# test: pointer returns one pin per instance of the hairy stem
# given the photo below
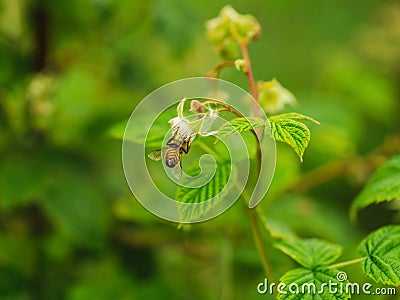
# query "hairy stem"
(249, 74)
(347, 263)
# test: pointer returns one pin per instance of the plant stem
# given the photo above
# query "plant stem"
(262, 217)
(250, 78)
(253, 90)
(260, 246)
(254, 221)
(258, 239)
(347, 263)
(224, 105)
(219, 67)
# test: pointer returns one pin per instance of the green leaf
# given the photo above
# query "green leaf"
(287, 128)
(310, 253)
(312, 284)
(217, 186)
(296, 116)
(240, 125)
(382, 251)
(384, 185)
(117, 130)
(279, 230)
(155, 136)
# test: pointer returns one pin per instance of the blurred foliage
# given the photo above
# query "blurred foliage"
(383, 186)
(70, 70)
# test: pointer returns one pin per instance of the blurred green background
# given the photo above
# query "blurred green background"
(69, 70)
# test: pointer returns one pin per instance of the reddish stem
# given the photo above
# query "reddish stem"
(254, 221)
(250, 78)
(218, 68)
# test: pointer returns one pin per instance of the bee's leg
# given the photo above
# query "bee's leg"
(185, 147)
(173, 142)
(170, 141)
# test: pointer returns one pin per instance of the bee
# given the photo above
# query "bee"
(178, 144)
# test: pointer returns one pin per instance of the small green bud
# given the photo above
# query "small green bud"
(228, 13)
(273, 97)
(217, 30)
(196, 107)
(248, 27)
(231, 27)
(240, 65)
(229, 49)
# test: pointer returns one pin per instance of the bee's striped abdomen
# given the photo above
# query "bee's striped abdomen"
(172, 156)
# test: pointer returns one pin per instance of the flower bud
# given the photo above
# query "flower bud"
(248, 27)
(272, 96)
(240, 65)
(230, 28)
(217, 30)
(228, 49)
(196, 107)
(228, 13)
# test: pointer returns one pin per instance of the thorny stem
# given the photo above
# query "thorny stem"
(347, 263)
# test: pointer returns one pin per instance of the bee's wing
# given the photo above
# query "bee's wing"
(177, 171)
(155, 154)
